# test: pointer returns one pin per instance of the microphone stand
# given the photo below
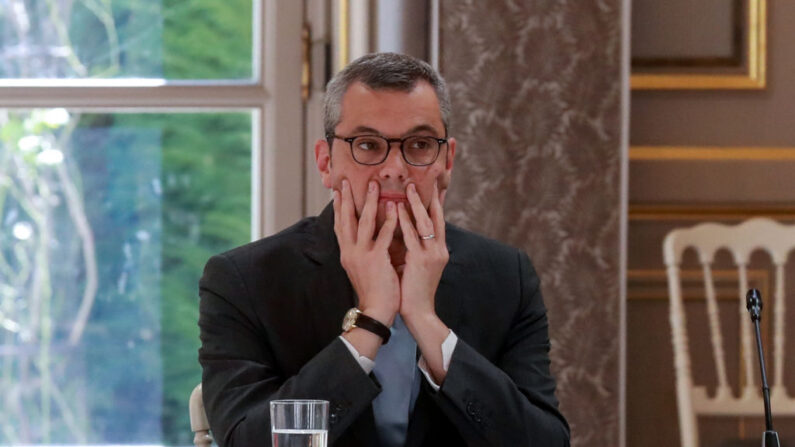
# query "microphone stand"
(753, 302)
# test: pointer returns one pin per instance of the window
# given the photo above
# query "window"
(137, 138)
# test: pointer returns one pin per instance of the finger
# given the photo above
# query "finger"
(338, 219)
(422, 221)
(387, 231)
(410, 237)
(437, 214)
(335, 202)
(348, 212)
(367, 219)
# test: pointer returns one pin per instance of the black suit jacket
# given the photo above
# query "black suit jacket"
(270, 316)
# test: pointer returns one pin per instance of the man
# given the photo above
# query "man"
(445, 334)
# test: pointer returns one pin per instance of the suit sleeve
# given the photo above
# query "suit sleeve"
(510, 401)
(240, 375)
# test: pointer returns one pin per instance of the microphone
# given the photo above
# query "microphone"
(753, 302)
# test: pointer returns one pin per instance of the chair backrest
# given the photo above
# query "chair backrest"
(741, 241)
(198, 419)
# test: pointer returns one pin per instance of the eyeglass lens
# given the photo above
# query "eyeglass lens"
(371, 149)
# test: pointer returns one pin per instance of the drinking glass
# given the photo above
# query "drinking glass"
(299, 423)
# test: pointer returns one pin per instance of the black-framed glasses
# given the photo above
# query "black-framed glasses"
(373, 149)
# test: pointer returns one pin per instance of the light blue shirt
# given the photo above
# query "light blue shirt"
(398, 371)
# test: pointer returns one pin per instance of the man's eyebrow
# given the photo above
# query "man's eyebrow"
(422, 128)
(365, 130)
(413, 130)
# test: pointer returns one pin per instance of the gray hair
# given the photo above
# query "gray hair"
(382, 71)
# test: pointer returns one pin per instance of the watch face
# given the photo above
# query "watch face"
(349, 320)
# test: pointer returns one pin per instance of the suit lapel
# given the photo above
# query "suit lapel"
(420, 420)
(448, 299)
(448, 302)
(330, 295)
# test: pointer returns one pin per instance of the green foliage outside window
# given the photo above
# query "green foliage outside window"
(160, 194)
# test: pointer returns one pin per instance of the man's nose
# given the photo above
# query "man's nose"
(394, 166)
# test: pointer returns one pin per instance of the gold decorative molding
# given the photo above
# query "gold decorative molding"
(691, 212)
(695, 82)
(658, 153)
(306, 61)
(754, 78)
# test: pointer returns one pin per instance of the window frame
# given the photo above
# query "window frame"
(273, 96)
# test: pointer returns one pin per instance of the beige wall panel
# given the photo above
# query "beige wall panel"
(682, 28)
(536, 90)
(703, 181)
(722, 117)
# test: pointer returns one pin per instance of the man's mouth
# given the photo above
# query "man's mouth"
(392, 197)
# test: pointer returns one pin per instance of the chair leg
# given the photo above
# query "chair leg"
(202, 438)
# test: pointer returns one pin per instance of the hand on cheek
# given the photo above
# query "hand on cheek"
(426, 254)
(426, 258)
(365, 258)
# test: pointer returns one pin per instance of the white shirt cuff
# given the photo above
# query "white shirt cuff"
(366, 364)
(448, 346)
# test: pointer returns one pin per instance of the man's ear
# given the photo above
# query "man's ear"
(323, 161)
(448, 164)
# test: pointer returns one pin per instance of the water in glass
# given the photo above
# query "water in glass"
(299, 438)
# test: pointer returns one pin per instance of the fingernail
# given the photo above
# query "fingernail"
(390, 206)
(344, 184)
(412, 188)
(371, 187)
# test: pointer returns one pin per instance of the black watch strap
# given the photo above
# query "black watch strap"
(355, 318)
(374, 326)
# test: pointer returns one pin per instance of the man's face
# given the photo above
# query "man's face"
(391, 114)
